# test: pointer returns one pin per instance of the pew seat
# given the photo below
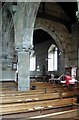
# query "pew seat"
(32, 106)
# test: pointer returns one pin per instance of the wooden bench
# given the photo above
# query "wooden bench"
(17, 93)
(47, 88)
(39, 91)
(12, 86)
(39, 86)
(42, 84)
(7, 84)
(27, 98)
(31, 92)
(33, 106)
(36, 97)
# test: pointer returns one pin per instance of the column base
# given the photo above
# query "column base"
(23, 89)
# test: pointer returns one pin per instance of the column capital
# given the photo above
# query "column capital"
(21, 49)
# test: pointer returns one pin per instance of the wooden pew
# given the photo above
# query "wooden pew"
(8, 84)
(25, 98)
(36, 97)
(40, 86)
(39, 91)
(33, 106)
(18, 93)
(31, 92)
(45, 88)
(68, 94)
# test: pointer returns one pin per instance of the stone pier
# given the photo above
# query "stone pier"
(23, 73)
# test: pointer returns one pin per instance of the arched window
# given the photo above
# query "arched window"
(32, 61)
(53, 58)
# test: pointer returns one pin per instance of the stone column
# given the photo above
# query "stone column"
(78, 4)
(77, 13)
(23, 71)
(24, 20)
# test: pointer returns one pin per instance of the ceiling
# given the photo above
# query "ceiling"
(70, 9)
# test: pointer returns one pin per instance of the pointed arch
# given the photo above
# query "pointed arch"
(49, 27)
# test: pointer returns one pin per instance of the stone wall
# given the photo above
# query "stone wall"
(75, 47)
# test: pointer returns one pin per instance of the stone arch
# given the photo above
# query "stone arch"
(24, 24)
(52, 34)
(56, 31)
(59, 37)
(10, 24)
(6, 21)
(8, 51)
(7, 8)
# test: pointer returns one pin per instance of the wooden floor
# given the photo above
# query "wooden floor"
(56, 99)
